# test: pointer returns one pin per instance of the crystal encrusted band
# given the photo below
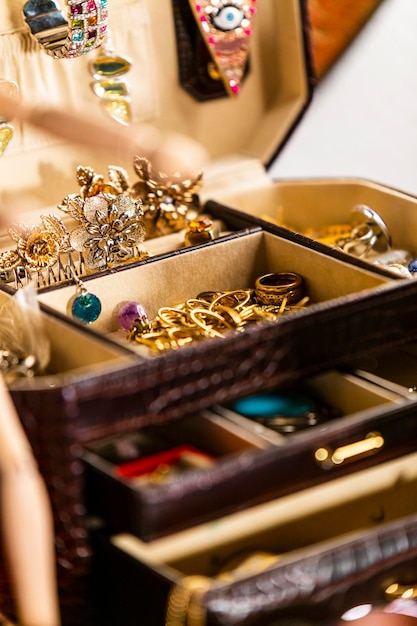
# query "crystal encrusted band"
(65, 38)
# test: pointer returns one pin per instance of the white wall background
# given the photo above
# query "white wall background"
(363, 117)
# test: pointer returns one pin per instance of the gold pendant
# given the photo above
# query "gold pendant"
(10, 89)
(108, 70)
(6, 134)
(226, 26)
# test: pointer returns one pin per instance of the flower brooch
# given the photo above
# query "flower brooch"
(112, 219)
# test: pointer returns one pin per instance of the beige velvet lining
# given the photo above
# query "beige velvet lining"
(36, 170)
(234, 264)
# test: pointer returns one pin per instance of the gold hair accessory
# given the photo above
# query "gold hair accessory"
(108, 70)
(166, 199)
(92, 183)
(83, 30)
(109, 232)
(10, 89)
(226, 27)
(39, 249)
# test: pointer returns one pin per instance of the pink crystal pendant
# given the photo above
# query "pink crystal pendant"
(226, 26)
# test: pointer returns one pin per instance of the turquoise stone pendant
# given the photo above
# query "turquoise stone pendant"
(86, 308)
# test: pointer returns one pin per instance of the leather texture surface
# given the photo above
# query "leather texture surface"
(312, 587)
(322, 585)
(333, 26)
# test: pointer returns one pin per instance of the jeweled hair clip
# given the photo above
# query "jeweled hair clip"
(112, 219)
(42, 254)
(109, 232)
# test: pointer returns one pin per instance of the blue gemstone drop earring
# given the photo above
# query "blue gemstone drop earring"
(85, 307)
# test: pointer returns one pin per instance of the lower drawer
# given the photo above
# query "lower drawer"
(319, 553)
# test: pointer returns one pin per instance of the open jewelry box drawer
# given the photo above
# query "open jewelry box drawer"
(306, 558)
(203, 466)
(319, 207)
(349, 309)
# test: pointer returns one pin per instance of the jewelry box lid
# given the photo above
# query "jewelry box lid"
(239, 130)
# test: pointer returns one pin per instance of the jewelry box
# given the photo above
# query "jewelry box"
(352, 304)
(324, 555)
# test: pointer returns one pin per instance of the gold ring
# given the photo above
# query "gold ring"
(271, 289)
(200, 230)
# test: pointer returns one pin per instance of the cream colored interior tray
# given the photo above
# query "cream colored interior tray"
(303, 204)
(310, 521)
(351, 396)
(74, 355)
(225, 265)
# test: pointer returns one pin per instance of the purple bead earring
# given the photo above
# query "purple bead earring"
(130, 313)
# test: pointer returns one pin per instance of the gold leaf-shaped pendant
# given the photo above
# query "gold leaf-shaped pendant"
(110, 89)
(109, 66)
(6, 134)
(119, 110)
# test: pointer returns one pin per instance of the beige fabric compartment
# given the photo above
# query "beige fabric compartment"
(301, 204)
(74, 355)
(234, 264)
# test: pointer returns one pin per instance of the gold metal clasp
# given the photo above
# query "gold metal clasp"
(331, 458)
